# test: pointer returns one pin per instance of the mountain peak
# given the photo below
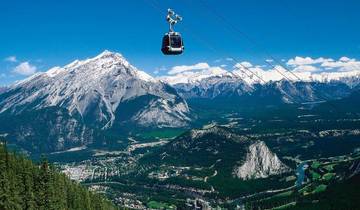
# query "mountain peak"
(105, 58)
(108, 57)
(107, 54)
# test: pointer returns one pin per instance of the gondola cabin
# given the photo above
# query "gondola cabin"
(172, 44)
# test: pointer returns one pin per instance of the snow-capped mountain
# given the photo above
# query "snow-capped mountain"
(188, 77)
(256, 75)
(260, 163)
(301, 92)
(99, 93)
(241, 84)
(95, 88)
(225, 85)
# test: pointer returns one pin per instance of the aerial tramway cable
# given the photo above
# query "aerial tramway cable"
(245, 69)
(252, 41)
(243, 34)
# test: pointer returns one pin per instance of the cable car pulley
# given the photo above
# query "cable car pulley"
(172, 43)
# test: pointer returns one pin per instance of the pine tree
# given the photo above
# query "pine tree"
(24, 185)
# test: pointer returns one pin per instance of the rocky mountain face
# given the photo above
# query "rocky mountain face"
(214, 87)
(302, 92)
(71, 103)
(260, 163)
(282, 91)
(222, 149)
(202, 147)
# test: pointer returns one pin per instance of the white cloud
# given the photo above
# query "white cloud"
(246, 64)
(183, 68)
(300, 61)
(305, 68)
(243, 64)
(11, 59)
(229, 59)
(343, 64)
(25, 69)
(308, 64)
(269, 60)
(2, 75)
(345, 59)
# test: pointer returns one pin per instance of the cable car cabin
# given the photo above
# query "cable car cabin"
(172, 44)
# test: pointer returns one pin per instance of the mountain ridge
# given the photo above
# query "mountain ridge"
(87, 95)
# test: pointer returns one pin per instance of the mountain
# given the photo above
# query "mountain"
(216, 83)
(71, 104)
(214, 87)
(222, 149)
(301, 92)
(234, 87)
(255, 75)
(345, 106)
(3, 89)
(260, 163)
(203, 147)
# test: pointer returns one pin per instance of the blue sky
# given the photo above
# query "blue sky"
(36, 35)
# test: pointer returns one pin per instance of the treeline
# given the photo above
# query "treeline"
(25, 185)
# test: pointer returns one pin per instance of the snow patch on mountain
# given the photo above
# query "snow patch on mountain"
(160, 112)
(251, 74)
(260, 163)
(194, 76)
(94, 88)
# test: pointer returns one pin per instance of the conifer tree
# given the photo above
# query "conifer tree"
(24, 185)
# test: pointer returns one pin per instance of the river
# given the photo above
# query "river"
(300, 172)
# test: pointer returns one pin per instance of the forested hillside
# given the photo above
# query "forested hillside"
(25, 185)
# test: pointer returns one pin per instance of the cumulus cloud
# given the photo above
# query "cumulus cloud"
(11, 59)
(300, 61)
(184, 68)
(243, 64)
(344, 59)
(305, 68)
(246, 64)
(308, 64)
(343, 64)
(25, 68)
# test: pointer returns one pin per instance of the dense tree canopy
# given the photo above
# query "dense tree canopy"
(25, 185)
